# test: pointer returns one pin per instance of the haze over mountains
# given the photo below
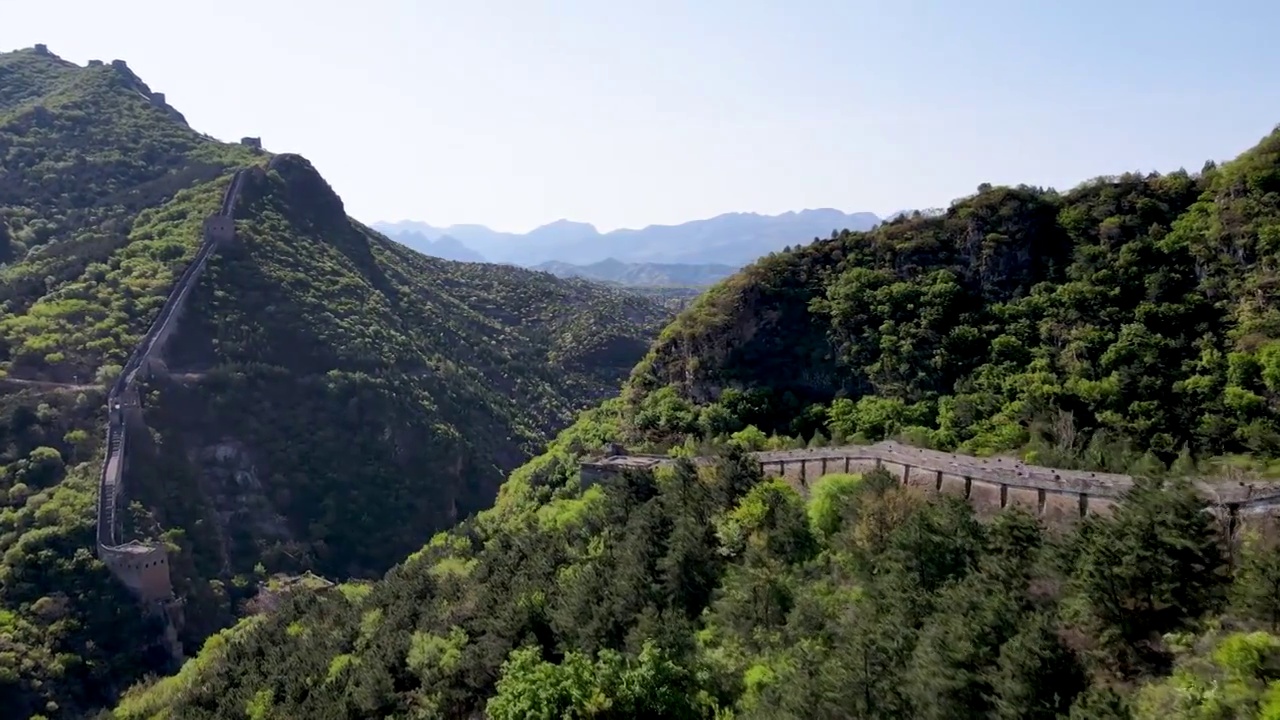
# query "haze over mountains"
(733, 239)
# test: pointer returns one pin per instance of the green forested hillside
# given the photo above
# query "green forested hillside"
(641, 274)
(355, 396)
(1131, 310)
(101, 196)
(335, 398)
(1126, 324)
(722, 594)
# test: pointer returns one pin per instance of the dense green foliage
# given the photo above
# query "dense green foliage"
(676, 298)
(722, 594)
(368, 395)
(101, 196)
(1131, 311)
(642, 274)
(68, 632)
(339, 398)
(1123, 324)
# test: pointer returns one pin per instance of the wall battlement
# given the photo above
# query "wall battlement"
(989, 484)
(141, 566)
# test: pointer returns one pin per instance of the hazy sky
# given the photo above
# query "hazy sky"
(514, 113)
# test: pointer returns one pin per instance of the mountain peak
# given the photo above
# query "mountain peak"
(733, 239)
(564, 225)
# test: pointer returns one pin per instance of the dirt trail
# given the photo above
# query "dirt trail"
(49, 384)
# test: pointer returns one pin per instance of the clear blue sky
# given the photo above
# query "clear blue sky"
(514, 113)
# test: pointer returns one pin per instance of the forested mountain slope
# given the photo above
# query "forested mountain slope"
(363, 393)
(1134, 309)
(334, 397)
(1127, 323)
(645, 275)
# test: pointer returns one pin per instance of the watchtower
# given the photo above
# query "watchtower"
(220, 228)
(142, 568)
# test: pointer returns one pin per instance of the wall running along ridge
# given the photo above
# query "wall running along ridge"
(988, 484)
(143, 567)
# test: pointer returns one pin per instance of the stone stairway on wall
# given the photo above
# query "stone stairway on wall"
(143, 567)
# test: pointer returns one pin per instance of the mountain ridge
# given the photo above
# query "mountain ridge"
(327, 395)
(733, 238)
(1025, 347)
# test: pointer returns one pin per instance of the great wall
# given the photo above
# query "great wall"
(143, 567)
(988, 484)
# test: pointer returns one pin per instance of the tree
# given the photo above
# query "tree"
(1152, 567)
(1037, 676)
(691, 567)
(735, 473)
(614, 686)
(1255, 593)
(829, 501)
(951, 669)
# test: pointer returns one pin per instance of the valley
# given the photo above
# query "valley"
(1015, 458)
(1010, 459)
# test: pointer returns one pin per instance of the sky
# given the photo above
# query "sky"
(516, 113)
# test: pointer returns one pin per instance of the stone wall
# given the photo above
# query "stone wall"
(144, 567)
(988, 484)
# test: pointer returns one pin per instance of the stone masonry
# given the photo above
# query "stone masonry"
(988, 484)
(141, 566)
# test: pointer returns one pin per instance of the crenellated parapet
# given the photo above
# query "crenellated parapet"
(988, 484)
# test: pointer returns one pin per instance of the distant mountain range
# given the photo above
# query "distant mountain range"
(444, 246)
(732, 239)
